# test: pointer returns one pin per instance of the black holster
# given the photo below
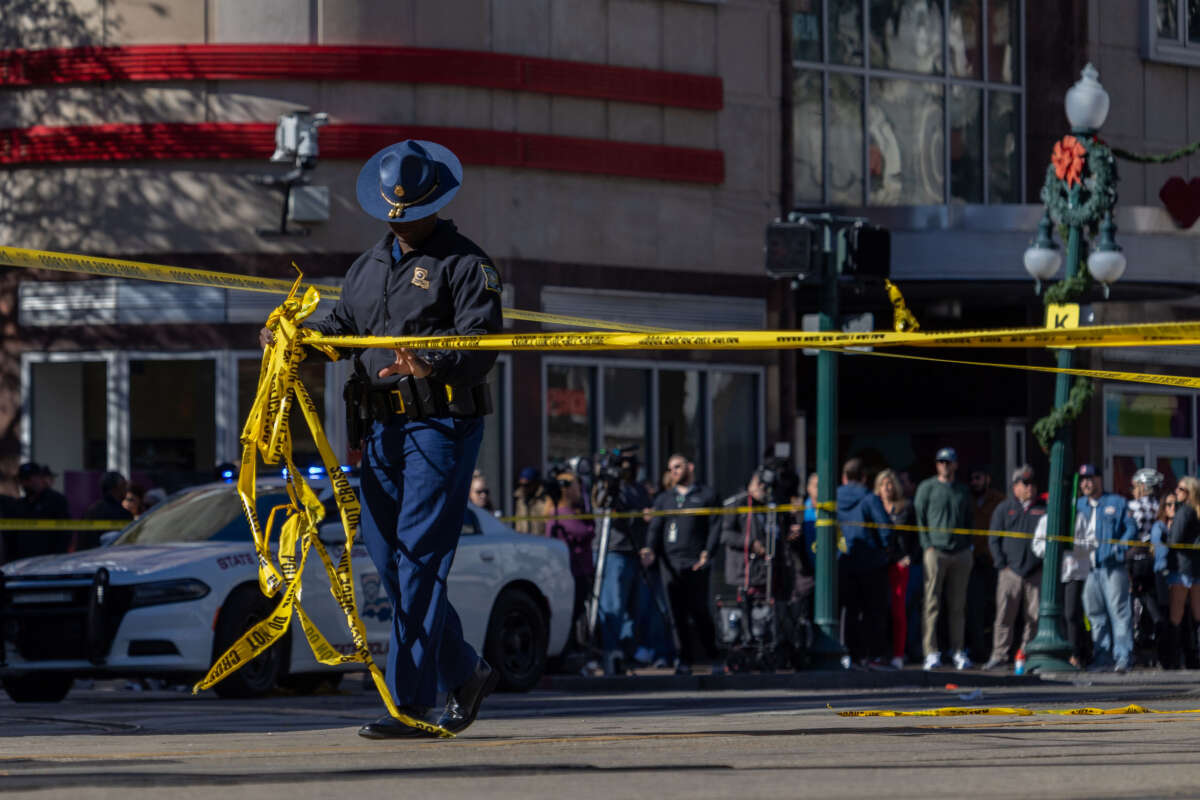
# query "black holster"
(357, 412)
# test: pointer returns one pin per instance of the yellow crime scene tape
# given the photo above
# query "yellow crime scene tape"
(1003, 711)
(161, 273)
(20, 525)
(1134, 335)
(267, 434)
(619, 336)
(826, 522)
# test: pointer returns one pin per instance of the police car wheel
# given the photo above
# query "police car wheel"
(244, 607)
(516, 641)
(46, 688)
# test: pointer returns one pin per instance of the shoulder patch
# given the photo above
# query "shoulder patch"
(491, 277)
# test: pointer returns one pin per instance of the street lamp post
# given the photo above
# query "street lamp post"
(1079, 194)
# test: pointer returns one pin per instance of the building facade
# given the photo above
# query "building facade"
(621, 157)
(936, 119)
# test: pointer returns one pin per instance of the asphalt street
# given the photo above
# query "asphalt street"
(110, 742)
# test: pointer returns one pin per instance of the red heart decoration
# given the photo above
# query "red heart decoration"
(1182, 200)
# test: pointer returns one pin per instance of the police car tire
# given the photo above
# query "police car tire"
(516, 640)
(245, 606)
(45, 688)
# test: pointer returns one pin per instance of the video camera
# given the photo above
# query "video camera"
(780, 479)
(611, 467)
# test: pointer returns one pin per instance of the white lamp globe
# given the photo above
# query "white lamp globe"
(1087, 101)
(1107, 266)
(1042, 263)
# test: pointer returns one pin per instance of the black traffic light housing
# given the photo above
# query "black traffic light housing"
(794, 248)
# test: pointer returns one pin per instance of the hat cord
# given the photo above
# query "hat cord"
(399, 206)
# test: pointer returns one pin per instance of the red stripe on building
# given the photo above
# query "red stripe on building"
(256, 141)
(369, 64)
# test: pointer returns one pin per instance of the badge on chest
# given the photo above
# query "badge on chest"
(420, 277)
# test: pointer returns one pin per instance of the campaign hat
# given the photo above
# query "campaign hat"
(408, 181)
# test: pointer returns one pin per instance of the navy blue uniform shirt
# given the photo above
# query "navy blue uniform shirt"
(447, 286)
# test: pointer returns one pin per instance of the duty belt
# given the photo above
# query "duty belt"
(418, 398)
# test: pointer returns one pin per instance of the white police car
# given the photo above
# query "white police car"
(180, 585)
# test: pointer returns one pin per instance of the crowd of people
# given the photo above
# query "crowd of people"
(119, 501)
(945, 573)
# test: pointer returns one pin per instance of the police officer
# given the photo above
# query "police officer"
(424, 421)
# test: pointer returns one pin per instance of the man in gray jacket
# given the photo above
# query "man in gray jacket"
(1019, 571)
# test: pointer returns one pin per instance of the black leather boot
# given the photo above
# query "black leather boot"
(388, 727)
(462, 706)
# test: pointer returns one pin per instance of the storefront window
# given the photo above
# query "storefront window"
(906, 35)
(734, 429)
(661, 410)
(1150, 414)
(907, 139)
(806, 30)
(961, 86)
(491, 451)
(569, 399)
(69, 405)
(680, 414)
(626, 398)
(172, 432)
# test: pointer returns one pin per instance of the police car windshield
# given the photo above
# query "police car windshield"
(201, 515)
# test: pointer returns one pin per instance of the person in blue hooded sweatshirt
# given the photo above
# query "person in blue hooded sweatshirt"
(862, 568)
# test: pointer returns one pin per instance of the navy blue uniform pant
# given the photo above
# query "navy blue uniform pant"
(415, 479)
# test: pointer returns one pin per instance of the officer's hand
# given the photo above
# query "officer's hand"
(702, 563)
(265, 337)
(647, 556)
(794, 533)
(407, 363)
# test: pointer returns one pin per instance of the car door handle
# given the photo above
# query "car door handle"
(487, 555)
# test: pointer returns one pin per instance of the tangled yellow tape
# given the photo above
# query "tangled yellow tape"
(267, 433)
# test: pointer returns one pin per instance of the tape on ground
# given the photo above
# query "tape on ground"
(1004, 711)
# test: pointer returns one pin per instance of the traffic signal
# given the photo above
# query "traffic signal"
(793, 250)
(868, 251)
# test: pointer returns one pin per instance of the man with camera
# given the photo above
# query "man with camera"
(616, 488)
(683, 543)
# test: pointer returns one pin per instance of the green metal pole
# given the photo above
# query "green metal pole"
(827, 648)
(1049, 651)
